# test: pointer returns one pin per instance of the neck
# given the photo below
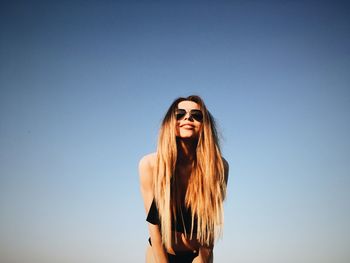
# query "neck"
(186, 151)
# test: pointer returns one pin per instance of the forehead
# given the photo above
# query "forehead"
(188, 105)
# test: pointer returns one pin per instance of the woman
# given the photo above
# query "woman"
(183, 185)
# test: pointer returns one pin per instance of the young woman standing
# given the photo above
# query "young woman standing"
(183, 185)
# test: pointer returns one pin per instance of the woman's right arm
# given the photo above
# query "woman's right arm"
(146, 166)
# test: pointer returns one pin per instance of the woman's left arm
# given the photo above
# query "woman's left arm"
(205, 254)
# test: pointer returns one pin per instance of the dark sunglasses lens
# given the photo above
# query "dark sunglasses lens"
(197, 115)
(180, 114)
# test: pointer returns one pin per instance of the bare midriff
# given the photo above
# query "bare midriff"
(182, 244)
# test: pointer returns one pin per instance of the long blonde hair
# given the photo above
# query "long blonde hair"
(206, 187)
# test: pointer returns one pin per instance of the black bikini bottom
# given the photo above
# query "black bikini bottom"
(181, 256)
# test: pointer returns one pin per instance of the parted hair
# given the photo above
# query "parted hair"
(206, 187)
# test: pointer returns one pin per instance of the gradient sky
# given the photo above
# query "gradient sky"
(85, 84)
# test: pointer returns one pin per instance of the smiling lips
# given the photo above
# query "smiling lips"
(187, 126)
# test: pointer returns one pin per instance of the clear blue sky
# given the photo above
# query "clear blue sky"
(85, 84)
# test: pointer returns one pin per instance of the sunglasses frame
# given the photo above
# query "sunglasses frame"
(194, 114)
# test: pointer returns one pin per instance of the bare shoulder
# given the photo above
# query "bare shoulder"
(146, 166)
(148, 161)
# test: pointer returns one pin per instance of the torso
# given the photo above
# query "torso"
(181, 243)
(182, 174)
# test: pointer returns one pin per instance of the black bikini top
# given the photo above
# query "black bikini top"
(183, 219)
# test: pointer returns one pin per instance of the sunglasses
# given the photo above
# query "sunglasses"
(195, 114)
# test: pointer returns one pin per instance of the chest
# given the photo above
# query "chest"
(182, 177)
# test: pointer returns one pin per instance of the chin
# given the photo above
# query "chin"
(188, 136)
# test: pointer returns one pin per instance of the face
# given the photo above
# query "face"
(188, 124)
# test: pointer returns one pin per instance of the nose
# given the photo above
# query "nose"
(188, 116)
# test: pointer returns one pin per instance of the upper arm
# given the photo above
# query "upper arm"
(146, 165)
